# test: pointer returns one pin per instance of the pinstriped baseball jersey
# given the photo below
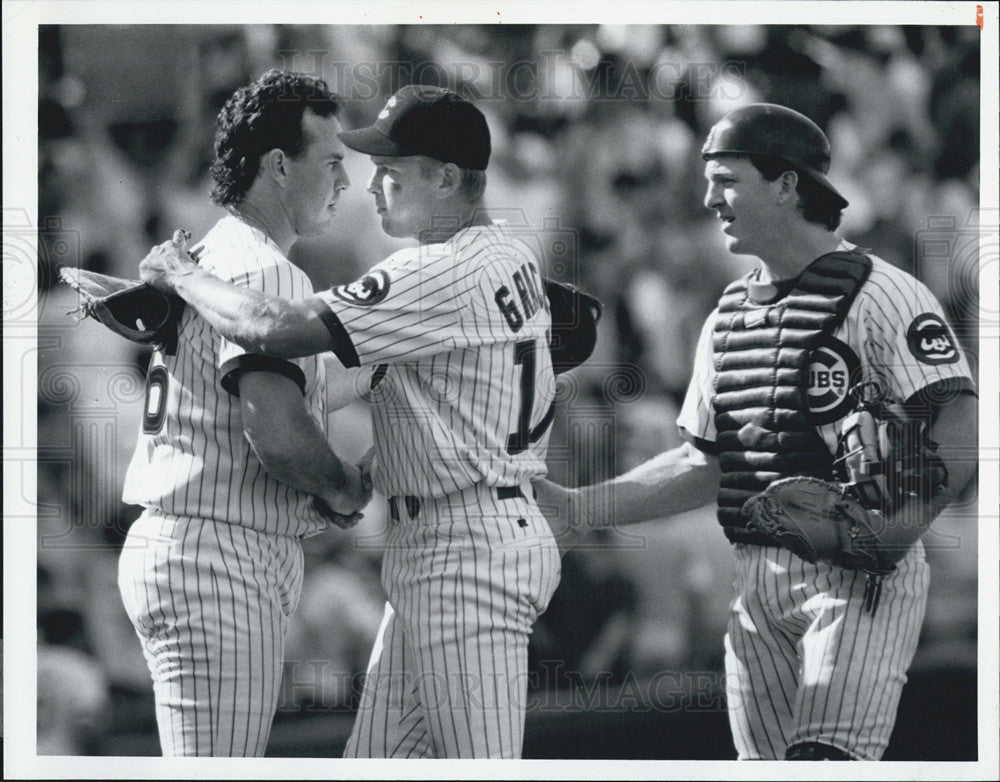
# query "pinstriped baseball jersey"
(805, 661)
(192, 458)
(895, 334)
(212, 571)
(460, 331)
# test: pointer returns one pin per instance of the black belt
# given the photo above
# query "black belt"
(412, 504)
(509, 492)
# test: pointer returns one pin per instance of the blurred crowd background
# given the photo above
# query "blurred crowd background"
(597, 132)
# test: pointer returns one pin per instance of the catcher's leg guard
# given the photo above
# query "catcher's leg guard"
(815, 750)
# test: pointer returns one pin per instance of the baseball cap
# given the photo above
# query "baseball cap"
(431, 121)
(778, 131)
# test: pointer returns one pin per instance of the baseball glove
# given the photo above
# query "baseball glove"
(129, 308)
(883, 462)
(575, 315)
(822, 520)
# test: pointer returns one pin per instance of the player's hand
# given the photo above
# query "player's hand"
(342, 520)
(355, 494)
(166, 262)
(560, 506)
(365, 465)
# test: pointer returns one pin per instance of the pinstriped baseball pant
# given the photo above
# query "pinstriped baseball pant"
(210, 602)
(805, 662)
(466, 578)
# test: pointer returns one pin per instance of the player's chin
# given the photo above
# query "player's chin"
(319, 226)
(390, 228)
(737, 247)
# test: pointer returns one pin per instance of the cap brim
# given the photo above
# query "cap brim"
(372, 141)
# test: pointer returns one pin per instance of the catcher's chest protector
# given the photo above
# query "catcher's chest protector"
(761, 353)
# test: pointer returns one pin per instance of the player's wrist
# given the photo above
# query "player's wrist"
(574, 520)
(181, 282)
(338, 503)
(353, 488)
(184, 274)
(585, 506)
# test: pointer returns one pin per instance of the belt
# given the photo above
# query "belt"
(412, 504)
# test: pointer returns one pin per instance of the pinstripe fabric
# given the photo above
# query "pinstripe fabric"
(806, 662)
(460, 331)
(449, 390)
(199, 463)
(448, 675)
(210, 603)
(211, 572)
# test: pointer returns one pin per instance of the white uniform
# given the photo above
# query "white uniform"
(805, 662)
(462, 399)
(212, 571)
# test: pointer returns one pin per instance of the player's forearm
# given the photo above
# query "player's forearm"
(668, 484)
(253, 320)
(297, 454)
(954, 430)
(314, 472)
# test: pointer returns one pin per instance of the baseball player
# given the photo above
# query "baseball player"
(813, 671)
(231, 465)
(462, 393)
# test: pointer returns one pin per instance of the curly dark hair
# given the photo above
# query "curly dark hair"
(262, 116)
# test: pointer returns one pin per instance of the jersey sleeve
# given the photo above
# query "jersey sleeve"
(404, 309)
(908, 339)
(268, 276)
(696, 420)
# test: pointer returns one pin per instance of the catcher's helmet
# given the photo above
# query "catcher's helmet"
(769, 129)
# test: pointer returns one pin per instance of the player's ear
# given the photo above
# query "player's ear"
(785, 186)
(451, 180)
(273, 164)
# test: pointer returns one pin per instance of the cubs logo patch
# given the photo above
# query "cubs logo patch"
(369, 290)
(832, 369)
(930, 340)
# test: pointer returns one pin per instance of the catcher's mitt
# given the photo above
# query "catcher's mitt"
(129, 308)
(822, 520)
(574, 325)
(884, 461)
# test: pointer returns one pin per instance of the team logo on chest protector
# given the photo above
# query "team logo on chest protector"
(370, 289)
(832, 369)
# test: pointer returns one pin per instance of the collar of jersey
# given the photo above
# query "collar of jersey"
(244, 225)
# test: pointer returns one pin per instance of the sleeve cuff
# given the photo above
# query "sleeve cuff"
(705, 446)
(937, 393)
(343, 348)
(254, 362)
